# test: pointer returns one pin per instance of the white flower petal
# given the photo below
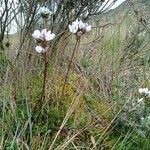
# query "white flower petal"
(49, 36)
(88, 28)
(143, 91)
(49, 32)
(76, 22)
(148, 93)
(36, 34)
(82, 25)
(39, 49)
(70, 28)
(78, 26)
(43, 34)
(73, 28)
(45, 10)
(44, 31)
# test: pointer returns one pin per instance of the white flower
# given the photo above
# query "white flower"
(44, 35)
(40, 49)
(88, 28)
(84, 26)
(148, 93)
(81, 25)
(78, 26)
(36, 34)
(49, 36)
(74, 27)
(45, 10)
(143, 91)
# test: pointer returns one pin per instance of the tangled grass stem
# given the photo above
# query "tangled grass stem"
(69, 67)
(45, 75)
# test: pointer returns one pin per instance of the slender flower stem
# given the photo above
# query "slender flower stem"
(68, 70)
(45, 75)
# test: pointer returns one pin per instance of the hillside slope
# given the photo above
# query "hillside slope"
(134, 8)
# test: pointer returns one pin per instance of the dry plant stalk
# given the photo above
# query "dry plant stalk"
(45, 75)
(69, 67)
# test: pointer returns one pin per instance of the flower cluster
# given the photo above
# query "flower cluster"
(78, 27)
(42, 37)
(144, 92)
(44, 12)
(136, 113)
